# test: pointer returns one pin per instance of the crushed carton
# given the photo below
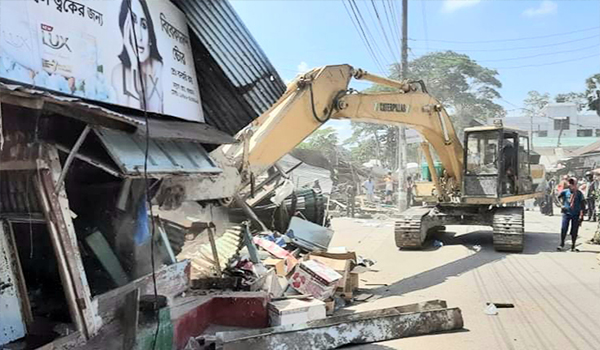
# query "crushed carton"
(278, 265)
(314, 278)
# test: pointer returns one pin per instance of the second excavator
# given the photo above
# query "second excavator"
(482, 182)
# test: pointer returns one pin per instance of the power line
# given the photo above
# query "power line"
(541, 54)
(512, 48)
(513, 39)
(551, 63)
(539, 115)
(366, 29)
(423, 14)
(389, 14)
(362, 35)
(383, 31)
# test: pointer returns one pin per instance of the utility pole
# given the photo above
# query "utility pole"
(402, 195)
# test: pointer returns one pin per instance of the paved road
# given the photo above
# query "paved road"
(557, 294)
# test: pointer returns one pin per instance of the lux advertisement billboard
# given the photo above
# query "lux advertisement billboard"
(90, 49)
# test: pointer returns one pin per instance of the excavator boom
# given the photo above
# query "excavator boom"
(322, 94)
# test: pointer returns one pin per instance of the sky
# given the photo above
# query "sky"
(549, 46)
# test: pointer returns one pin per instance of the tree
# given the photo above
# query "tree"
(377, 141)
(592, 92)
(535, 102)
(575, 97)
(324, 140)
(464, 87)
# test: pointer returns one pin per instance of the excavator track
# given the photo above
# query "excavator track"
(509, 230)
(409, 230)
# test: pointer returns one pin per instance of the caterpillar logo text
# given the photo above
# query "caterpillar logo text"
(392, 107)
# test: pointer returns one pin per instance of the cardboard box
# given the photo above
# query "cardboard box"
(314, 278)
(341, 266)
(292, 311)
(278, 265)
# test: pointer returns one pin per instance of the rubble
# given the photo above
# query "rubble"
(359, 328)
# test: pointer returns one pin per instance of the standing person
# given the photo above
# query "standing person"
(563, 184)
(591, 195)
(389, 188)
(409, 191)
(550, 197)
(369, 187)
(350, 200)
(572, 210)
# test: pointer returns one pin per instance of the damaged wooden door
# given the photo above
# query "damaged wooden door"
(12, 321)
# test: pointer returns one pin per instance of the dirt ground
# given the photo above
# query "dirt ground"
(556, 294)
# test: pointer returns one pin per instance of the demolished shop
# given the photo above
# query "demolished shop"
(98, 191)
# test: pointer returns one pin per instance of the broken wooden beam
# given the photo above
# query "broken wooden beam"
(360, 328)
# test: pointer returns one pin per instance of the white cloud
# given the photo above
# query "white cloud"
(302, 67)
(546, 7)
(453, 5)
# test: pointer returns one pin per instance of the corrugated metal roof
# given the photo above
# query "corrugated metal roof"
(164, 156)
(237, 81)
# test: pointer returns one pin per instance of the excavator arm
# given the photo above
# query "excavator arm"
(322, 94)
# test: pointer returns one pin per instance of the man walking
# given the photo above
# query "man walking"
(572, 209)
(369, 187)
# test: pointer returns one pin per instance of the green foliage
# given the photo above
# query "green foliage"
(324, 140)
(575, 97)
(464, 87)
(592, 92)
(535, 102)
(374, 141)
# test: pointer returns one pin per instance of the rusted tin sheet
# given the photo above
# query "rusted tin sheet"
(238, 83)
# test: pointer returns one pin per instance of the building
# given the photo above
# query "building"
(560, 125)
(559, 130)
(82, 159)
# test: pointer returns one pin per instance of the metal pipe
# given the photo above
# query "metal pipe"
(360, 74)
(71, 156)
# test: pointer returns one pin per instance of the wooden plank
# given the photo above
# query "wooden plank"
(171, 280)
(21, 285)
(99, 246)
(61, 216)
(130, 318)
(18, 165)
(215, 252)
(63, 269)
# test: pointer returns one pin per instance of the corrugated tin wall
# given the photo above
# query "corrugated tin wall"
(237, 81)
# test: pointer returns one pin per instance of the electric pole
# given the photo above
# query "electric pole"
(402, 193)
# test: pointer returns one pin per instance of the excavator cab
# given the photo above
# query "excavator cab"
(497, 165)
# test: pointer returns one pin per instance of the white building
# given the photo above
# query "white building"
(559, 129)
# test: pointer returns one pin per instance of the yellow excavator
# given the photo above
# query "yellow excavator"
(481, 184)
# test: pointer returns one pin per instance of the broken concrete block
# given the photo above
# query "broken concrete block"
(358, 328)
(314, 278)
(293, 311)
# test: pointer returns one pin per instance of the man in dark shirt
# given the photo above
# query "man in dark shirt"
(573, 206)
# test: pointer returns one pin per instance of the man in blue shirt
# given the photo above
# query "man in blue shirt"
(572, 209)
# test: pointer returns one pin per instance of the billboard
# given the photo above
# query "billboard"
(91, 49)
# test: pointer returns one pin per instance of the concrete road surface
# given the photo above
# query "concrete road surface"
(556, 294)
